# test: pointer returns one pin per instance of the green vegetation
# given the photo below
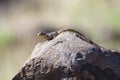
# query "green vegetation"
(6, 38)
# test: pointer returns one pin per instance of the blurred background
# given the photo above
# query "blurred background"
(20, 20)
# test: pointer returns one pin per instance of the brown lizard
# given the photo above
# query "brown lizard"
(52, 35)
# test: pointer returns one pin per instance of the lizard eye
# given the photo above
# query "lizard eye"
(41, 33)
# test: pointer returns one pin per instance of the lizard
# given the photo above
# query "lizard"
(51, 35)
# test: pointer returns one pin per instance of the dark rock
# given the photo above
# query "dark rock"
(71, 56)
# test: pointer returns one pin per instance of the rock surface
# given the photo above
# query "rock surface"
(70, 56)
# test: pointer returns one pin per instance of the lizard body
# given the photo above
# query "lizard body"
(52, 35)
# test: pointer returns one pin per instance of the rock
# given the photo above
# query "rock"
(70, 56)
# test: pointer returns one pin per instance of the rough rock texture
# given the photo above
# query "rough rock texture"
(70, 56)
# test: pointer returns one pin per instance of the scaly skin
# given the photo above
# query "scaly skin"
(52, 35)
